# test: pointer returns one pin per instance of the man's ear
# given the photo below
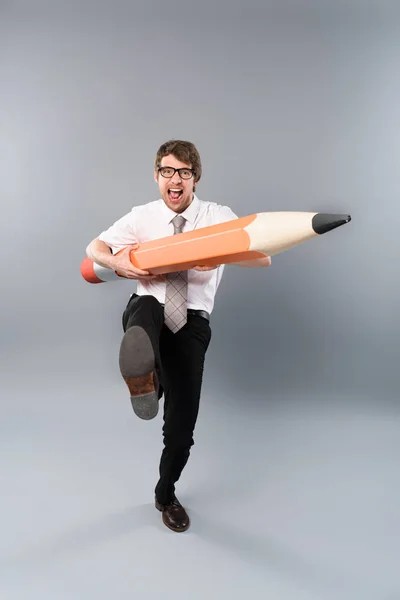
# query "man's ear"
(155, 176)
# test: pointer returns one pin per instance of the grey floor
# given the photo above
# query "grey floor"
(295, 498)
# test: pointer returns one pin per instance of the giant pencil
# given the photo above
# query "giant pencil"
(245, 238)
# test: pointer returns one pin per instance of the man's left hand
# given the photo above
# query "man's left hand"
(205, 268)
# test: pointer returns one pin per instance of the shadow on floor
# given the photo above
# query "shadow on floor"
(269, 555)
(77, 540)
(326, 581)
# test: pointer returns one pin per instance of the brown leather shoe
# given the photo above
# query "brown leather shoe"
(174, 515)
(137, 366)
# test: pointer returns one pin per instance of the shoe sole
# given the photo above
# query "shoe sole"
(177, 529)
(137, 367)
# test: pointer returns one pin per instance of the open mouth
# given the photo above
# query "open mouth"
(175, 194)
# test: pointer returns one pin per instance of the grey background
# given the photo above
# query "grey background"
(293, 484)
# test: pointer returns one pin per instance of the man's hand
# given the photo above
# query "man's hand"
(122, 265)
(205, 268)
(256, 262)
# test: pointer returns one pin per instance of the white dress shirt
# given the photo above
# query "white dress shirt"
(154, 220)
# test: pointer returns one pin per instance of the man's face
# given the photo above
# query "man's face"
(176, 191)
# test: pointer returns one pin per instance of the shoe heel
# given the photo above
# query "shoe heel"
(145, 406)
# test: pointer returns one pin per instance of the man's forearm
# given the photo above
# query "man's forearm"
(100, 253)
(256, 262)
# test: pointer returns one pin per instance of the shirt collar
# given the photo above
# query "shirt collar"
(190, 213)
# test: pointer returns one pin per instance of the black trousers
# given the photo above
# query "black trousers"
(180, 363)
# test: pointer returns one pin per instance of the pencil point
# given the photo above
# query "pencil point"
(324, 222)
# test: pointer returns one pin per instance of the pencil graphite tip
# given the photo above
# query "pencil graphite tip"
(323, 222)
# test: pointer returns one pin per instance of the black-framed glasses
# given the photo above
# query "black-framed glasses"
(168, 172)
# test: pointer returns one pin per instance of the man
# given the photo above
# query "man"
(159, 353)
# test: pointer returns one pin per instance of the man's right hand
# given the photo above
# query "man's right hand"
(121, 263)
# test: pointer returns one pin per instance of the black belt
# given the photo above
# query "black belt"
(199, 313)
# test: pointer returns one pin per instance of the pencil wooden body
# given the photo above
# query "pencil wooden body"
(245, 238)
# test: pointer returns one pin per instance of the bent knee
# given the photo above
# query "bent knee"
(148, 300)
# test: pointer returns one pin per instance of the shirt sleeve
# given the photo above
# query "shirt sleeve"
(120, 234)
(223, 214)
